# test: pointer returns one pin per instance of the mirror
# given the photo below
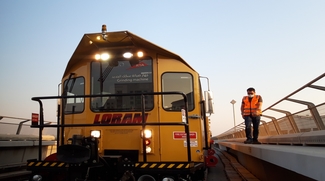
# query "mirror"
(208, 102)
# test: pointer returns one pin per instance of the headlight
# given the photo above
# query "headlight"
(148, 149)
(146, 133)
(95, 133)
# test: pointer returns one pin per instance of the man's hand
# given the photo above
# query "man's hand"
(256, 113)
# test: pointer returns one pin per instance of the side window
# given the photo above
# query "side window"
(75, 87)
(181, 82)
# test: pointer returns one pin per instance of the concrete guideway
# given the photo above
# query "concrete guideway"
(305, 160)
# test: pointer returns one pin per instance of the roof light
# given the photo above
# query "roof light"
(140, 54)
(97, 56)
(127, 55)
(103, 56)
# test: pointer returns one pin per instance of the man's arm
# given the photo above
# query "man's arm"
(242, 108)
(260, 106)
(260, 103)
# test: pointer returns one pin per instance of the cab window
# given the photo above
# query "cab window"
(180, 82)
(122, 77)
(74, 87)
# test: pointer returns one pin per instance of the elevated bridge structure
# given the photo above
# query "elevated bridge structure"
(17, 145)
(292, 134)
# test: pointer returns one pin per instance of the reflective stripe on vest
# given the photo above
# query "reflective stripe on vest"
(251, 106)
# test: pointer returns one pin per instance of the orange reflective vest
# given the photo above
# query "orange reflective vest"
(251, 107)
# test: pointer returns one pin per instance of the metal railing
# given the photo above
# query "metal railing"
(15, 124)
(310, 120)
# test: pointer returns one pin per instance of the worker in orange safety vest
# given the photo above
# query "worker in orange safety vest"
(251, 113)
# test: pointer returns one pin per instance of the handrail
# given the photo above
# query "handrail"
(143, 124)
(298, 90)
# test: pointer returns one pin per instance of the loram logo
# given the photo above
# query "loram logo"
(141, 64)
(119, 118)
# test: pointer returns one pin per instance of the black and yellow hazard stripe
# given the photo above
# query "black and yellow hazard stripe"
(43, 164)
(159, 165)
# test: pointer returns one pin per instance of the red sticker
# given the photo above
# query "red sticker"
(182, 135)
(34, 119)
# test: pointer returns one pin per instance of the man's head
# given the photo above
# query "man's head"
(251, 92)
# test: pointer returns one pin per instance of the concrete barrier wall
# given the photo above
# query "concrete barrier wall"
(15, 150)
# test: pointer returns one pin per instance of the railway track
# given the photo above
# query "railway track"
(229, 169)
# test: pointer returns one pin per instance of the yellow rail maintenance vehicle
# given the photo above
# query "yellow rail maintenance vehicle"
(128, 110)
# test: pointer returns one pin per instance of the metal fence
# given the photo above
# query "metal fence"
(310, 120)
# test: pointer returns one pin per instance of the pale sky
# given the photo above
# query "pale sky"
(274, 46)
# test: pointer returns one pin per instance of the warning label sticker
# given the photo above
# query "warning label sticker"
(182, 135)
(192, 144)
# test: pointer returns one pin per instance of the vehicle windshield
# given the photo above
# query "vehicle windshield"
(121, 77)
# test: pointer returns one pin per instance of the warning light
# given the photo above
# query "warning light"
(147, 142)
